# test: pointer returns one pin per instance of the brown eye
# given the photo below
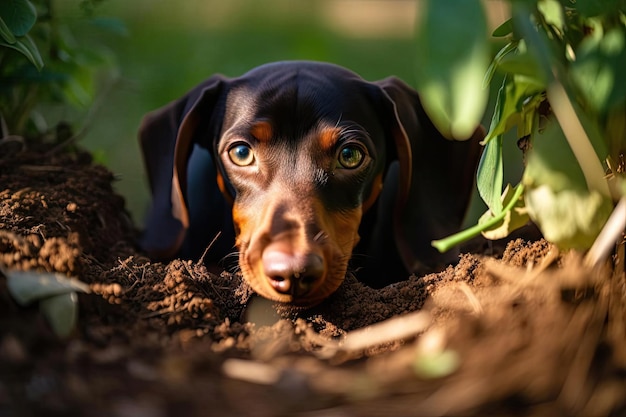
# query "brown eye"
(241, 155)
(350, 156)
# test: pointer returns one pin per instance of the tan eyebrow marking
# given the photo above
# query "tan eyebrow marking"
(262, 131)
(328, 137)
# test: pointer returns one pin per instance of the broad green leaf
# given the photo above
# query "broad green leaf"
(598, 71)
(61, 311)
(29, 286)
(572, 219)
(551, 162)
(18, 15)
(27, 47)
(453, 55)
(490, 174)
(504, 29)
(514, 218)
(558, 198)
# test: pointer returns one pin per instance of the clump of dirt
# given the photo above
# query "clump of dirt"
(524, 331)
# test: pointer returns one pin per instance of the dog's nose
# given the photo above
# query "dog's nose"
(292, 274)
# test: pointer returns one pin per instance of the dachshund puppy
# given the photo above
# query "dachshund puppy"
(309, 171)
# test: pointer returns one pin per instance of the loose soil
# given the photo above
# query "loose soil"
(515, 328)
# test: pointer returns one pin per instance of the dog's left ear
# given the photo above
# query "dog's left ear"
(167, 137)
(436, 178)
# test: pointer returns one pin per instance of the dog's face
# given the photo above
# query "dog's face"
(302, 150)
(305, 155)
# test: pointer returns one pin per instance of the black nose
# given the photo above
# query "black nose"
(292, 274)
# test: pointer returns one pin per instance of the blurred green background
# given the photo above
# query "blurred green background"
(163, 48)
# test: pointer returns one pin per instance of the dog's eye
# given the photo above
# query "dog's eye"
(350, 156)
(241, 155)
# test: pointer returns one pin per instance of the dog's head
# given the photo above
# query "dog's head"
(301, 150)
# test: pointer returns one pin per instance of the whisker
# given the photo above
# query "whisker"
(201, 260)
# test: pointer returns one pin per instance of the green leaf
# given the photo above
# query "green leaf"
(504, 29)
(443, 245)
(490, 174)
(506, 49)
(6, 33)
(552, 12)
(512, 96)
(522, 64)
(572, 219)
(558, 198)
(514, 218)
(551, 162)
(27, 47)
(19, 16)
(591, 8)
(598, 71)
(453, 55)
(29, 286)
(61, 311)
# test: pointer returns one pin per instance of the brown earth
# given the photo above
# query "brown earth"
(522, 331)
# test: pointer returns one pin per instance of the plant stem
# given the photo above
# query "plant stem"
(444, 245)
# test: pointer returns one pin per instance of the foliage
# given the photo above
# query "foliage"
(42, 63)
(55, 293)
(564, 91)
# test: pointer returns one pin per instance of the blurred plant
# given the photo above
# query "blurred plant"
(43, 62)
(55, 293)
(565, 92)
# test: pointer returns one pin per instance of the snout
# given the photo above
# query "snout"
(294, 253)
(289, 273)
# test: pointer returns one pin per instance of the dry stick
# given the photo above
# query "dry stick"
(610, 233)
(387, 331)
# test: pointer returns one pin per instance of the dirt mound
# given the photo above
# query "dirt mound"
(529, 331)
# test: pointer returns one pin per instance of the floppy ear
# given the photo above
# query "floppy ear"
(167, 137)
(435, 179)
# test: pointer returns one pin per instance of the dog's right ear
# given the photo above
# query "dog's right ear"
(167, 136)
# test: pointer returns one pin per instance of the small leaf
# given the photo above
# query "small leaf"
(514, 218)
(6, 33)
(504, 29)
(27, 47)
(450, 78)
(552, 13)
(29, 286)
(61, 311)
(506, 49)
(445, 244)
(490, 174)
(514, 92)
